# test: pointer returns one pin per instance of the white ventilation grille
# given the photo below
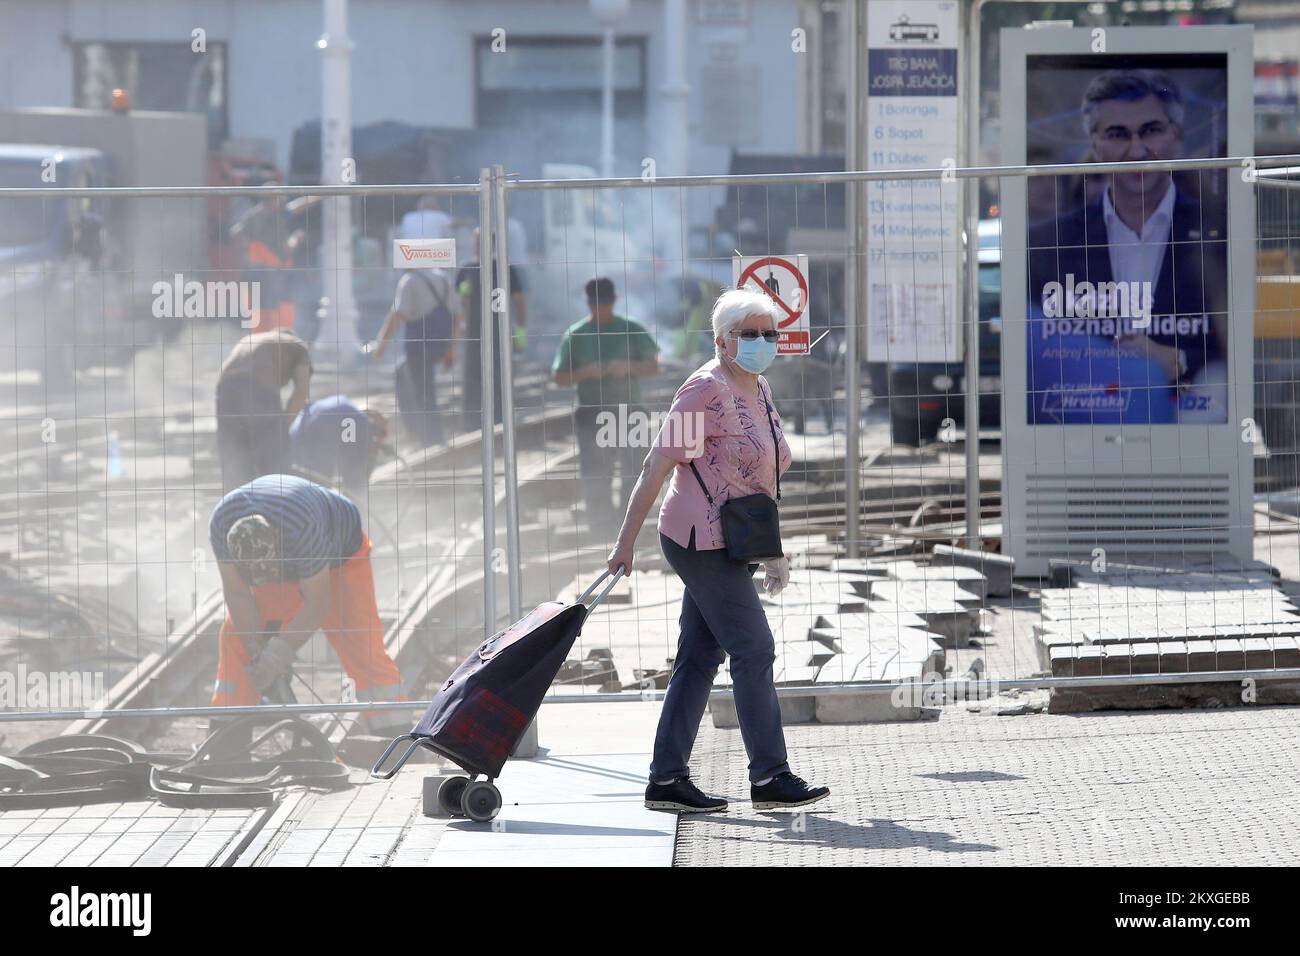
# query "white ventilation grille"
(1131, 516)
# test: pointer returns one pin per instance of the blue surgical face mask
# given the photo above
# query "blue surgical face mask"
(755, 355)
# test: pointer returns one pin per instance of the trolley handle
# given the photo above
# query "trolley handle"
(582, 598)
(378, 774)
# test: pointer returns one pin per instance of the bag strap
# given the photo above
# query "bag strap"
(776, 446)
(703, 486)
(776, 451)
(439, 300)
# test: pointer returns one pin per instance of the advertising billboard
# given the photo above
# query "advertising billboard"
(1128, 272)
(1127, 297)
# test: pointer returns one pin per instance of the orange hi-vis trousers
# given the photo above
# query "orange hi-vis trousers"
(352, 626)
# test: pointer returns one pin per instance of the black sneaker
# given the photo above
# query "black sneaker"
(785, 791)
(681, 796)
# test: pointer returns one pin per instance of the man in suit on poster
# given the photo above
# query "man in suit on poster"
(1146, 259)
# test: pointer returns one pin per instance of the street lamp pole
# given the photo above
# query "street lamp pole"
(608, 12)
(338, 332)
(675, 91)
(607, 104)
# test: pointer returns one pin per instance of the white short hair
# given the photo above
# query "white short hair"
(736, 305)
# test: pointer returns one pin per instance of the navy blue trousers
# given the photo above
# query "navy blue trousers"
(721, 615)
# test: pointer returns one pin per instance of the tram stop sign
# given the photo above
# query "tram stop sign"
(785, 279)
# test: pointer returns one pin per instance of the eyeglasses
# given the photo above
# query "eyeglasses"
(752, 335)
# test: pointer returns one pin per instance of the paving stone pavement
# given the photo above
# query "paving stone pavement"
(119, 834)
(375, 823)
(1204, 787)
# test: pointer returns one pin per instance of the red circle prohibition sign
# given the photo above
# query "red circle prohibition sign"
(771, 261)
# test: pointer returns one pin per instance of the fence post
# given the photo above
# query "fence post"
(968, 129)
(506, 343)
(528, 744)
(852, 292)
(488, 394)
(492, 247)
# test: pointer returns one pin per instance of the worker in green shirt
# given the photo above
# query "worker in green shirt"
(605, 356)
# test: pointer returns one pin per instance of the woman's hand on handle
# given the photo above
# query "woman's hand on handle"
(620, 555)
(654, 470)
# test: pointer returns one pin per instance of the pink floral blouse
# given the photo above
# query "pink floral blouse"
(726, 434)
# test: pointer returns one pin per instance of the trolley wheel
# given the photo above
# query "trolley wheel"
(449, 795)
(481, 801)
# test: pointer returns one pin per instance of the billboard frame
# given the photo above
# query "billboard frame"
(1048, 469)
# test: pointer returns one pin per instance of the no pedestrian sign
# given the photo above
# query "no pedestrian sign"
(785, 280)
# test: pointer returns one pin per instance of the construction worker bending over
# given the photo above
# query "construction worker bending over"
(294, 559)
(252, 422)
(337, 440)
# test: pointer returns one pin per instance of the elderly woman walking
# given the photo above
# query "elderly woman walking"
(721, 441)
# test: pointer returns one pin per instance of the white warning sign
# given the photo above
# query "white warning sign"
(913, 233)
(424, 253)
(785, 280)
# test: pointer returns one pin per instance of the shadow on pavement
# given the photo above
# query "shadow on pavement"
(541, 828)
(829, 832)
(972, 776)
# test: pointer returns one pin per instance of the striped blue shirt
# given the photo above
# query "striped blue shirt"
(319, 527)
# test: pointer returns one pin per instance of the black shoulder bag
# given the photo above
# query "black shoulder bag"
(751, 526)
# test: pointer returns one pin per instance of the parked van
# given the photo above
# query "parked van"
(59, 309)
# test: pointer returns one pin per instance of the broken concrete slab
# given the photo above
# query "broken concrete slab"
(1172, 657)
(1271, 652)
(805, 653)
(998, 570)
(1146, 657)
(867, 567)
(792, 627)
(1116, 660)
(1069, 633)
(917, 593)
(868, 708)
(871, 626)
(1159, 696)
(879, 616)
(953, 624)
(1176, 615)
(794, 710)
(788, 673)
(1075, 661)
(862, 657)
(967, 579)
(1013, 703)
(839, 596)
(830, 613)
